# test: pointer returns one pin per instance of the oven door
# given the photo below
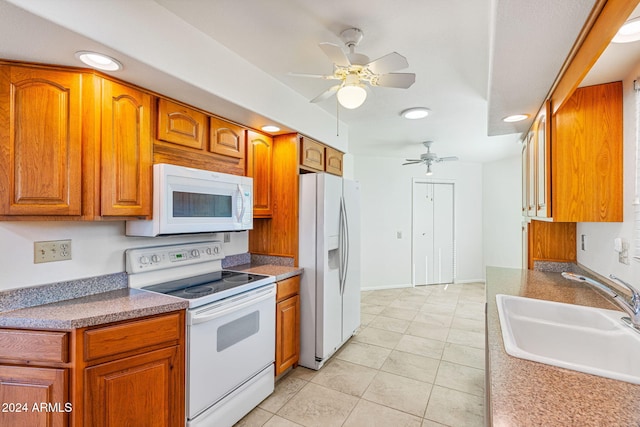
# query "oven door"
(229, 342)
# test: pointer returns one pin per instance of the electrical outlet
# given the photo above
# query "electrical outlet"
(52, 250)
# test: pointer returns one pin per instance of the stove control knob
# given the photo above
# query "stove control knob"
(155, 258)
(208, 251)
(144, 260)
(216, 250)
(195, 253)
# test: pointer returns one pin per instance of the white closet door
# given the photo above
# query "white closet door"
(443, 233)
(433, 233)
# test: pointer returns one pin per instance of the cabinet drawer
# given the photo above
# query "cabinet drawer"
(35, 346)
(287, 288)
(131, 336)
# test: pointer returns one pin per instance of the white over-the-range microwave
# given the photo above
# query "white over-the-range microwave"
(187, 200)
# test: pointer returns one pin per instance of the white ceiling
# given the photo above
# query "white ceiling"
(233, 57)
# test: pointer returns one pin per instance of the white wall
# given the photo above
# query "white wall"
(386, 210)
(97, 248)
(502, 220)
(599, 255)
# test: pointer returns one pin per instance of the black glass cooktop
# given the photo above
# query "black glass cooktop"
(205, 284)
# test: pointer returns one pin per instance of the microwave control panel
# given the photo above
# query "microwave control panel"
(161, 257)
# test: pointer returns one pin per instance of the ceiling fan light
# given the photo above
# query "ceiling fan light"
(351, 96)
(415, 113)
(429, 171)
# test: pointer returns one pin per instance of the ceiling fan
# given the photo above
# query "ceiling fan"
(355, 71)
(429, 158)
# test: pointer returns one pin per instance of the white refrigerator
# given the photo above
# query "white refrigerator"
(329, 252)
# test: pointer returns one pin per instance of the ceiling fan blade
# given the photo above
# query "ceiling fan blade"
(390, 62)
(315, 76)
(447, 159)
(326, 94)
(335, 54)
(398, 80)
(412, 162)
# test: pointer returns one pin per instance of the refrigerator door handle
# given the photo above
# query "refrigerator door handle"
(346, 240)
(344, 245)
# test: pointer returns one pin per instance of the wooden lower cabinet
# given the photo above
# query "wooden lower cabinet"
(138, 387)
(128, 373)
(287, 324)
(34, 397)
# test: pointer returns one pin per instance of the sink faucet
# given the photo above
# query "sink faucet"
(631, 307)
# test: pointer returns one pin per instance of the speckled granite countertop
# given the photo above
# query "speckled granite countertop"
(105, 307)
(525, 393)
(281, 272)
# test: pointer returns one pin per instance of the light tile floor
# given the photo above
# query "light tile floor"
(417, 360)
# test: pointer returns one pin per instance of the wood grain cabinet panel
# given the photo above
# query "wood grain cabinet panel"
(36, 346)
(40, 141)
(259, 167)
(287, 324)
(333, 161)
(587, 156)
(23, 387)
(311, 154)
(126, 151)
(551, 241)
(141, 391)
(227, 138)
(130, 336)
(181, 125)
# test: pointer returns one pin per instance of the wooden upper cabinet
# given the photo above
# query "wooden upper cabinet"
(311, 154)
(40, 141)
(587, 156)
(181, 125)
(531, 180)
(542, 134)
(333, 160)
(126, 151)
(259, 167)
(227, 138)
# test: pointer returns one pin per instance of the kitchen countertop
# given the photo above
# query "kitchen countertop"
(105, 307)
(526, 393)
(281, 272)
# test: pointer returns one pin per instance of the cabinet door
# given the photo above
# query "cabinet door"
(311, 154)
(227, 139)
(259, 155)
(143, 391)
(181, 125)
(287, 333)
(525, 178)
(126, 151)
(40, 141)
(35, 397)
(333, 161)
(531, 174)
(543, 169)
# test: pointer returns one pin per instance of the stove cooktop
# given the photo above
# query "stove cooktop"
(212, 286)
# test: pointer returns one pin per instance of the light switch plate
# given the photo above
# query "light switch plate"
(52, 250)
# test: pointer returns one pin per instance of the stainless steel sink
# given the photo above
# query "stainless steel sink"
(585, 339)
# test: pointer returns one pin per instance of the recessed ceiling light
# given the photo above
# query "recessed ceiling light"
(415, 113)
(515, 118)
(629, 32)
(270, 128)
(99, 61)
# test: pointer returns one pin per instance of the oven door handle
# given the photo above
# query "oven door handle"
(224, 309)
